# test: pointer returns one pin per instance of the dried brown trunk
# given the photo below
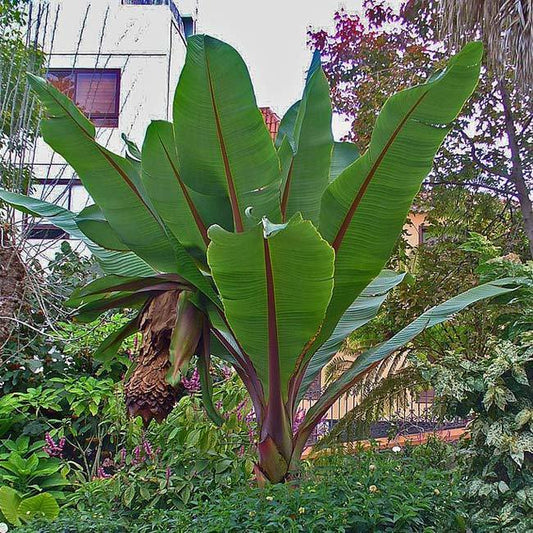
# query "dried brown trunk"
(147, 393)
(12, 276)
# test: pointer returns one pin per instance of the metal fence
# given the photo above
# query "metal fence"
(146, 2)
(415, 416)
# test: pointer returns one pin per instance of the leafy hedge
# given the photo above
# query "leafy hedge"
(371, 491)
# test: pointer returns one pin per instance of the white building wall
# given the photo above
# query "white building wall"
(145, 42)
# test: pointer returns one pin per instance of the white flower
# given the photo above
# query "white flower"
(270, 498)
(3, 527)
(301, 510)
(396, 449)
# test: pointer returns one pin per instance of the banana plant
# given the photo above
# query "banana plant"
(266, 254)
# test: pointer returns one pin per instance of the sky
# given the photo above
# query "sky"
(271, 36)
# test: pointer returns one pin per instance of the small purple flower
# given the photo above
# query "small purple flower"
(147, 448)
(239, 410)
(227, 372)
(53, 449)
(193, 384)
(251, 436)
(137, 456)
(102, 474)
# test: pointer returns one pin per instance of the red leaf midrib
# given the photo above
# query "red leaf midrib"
(106, 156)
(227, 169)
(355, 204)
(192, 208)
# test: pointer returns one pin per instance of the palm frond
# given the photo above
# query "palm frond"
(386, 391)
(505, 26)
(336, 367)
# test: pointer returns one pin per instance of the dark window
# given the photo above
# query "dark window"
(189, 26)
(95, 91)
(45, 231)
(423, 234)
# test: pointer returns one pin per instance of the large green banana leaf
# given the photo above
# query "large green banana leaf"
(225, 149)
(344, 154)
(113, 283)
(364, 209)
(364, 309)
(275, 283)
(110, 346)
(112, 262)
(113, 182)
(305, 153)
(92, 222)
(186, 212)
(435, 315)
(286, 125)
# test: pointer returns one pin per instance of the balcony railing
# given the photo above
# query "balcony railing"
(170, 3)
(146, 2)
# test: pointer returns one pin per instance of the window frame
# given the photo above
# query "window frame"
(45, 232)
(115, 115)
(422, 234)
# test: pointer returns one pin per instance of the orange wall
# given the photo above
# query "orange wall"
(413, 227)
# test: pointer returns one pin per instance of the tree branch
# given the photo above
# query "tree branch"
(472, 184)
(477, 160)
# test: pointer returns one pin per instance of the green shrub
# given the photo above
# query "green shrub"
(29, 470)
(371, 491)
(86, 413)
(181, 460)
(497, 459)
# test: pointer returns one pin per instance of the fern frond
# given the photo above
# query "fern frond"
(336, 367)
(393, 390)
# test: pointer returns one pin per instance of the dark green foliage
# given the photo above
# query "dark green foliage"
(373, 491)
(45, 344)
(12, 12)
(19, 113)
(29, 470)
(463, 231)
(179, 462)
(163, 467)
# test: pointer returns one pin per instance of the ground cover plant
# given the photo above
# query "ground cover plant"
(263, 254)
(411, 490)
